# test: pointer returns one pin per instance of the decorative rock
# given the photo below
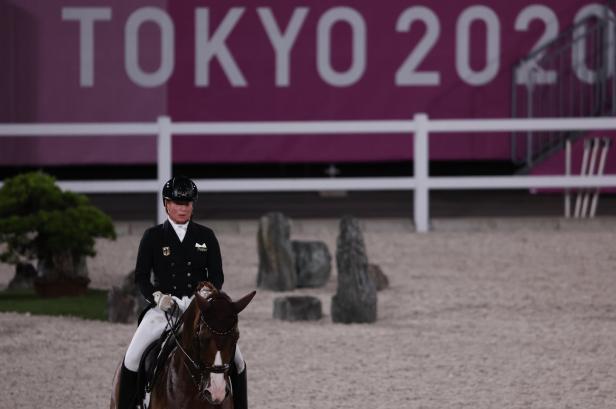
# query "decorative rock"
(120, 306)
(356, 298)
(125, 303)
(378, 276)
(313, 263)
(297, 308)
(276, 258)
(25, 273)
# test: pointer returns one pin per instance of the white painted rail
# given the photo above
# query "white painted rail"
(421, 126)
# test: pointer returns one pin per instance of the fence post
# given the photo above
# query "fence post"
(420, 162)
(163, 161)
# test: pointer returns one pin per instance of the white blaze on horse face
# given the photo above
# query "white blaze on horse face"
(218, 386)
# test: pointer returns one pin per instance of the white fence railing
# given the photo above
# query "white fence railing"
(420, 126)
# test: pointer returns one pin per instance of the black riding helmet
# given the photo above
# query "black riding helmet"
(180, 189)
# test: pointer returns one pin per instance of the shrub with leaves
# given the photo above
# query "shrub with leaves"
(40, 221)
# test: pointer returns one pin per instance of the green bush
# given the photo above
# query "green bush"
(92, 305)
(39, 221)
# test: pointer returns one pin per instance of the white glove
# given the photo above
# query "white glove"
(183, 302)
(163, 301)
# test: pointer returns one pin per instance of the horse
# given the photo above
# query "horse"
(196, 374)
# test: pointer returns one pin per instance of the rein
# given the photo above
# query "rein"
(172, 328)
(196, 365)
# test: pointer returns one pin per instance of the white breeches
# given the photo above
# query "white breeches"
(150, 329)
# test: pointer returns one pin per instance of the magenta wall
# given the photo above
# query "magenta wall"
(47, 54)
(391, 73)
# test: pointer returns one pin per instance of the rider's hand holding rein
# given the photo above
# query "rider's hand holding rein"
(163, 301)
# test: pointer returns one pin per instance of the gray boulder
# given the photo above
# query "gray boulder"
(313, 263)
(125, 303)
(120, 306)
(297, 308)
(276, 258)
(378, 276)
(355, 299)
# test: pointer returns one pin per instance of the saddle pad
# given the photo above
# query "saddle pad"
(152, 362)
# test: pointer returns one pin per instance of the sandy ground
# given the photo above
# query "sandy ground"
(492, 317)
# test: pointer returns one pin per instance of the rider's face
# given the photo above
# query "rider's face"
(179, 212)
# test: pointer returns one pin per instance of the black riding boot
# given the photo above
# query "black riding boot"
(128, 388)
(240, 389)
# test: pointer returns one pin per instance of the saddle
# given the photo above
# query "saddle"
(153, 361)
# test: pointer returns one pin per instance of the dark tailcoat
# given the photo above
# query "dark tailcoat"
(177, 266)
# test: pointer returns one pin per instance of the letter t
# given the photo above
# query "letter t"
(86, 16)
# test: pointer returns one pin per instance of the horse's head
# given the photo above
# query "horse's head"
(215, 335)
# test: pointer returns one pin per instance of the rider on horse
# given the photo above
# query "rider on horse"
(179, 254)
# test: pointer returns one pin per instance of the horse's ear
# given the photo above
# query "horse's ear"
(240, 304)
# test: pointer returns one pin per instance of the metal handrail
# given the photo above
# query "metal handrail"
(540, 146)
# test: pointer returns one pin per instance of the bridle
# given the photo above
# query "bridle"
(195, 365)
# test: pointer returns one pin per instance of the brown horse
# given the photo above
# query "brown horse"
(196, 374)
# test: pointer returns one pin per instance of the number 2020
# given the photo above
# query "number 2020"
(408, 74)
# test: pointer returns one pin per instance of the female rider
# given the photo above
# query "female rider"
(177, 254)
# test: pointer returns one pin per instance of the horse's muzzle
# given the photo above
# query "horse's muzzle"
(206, 394)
